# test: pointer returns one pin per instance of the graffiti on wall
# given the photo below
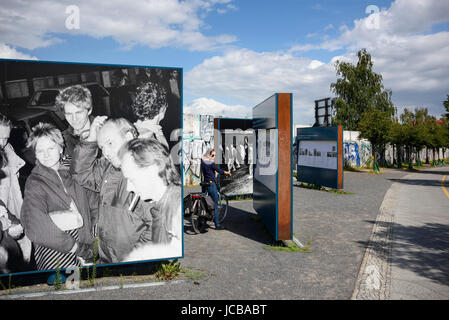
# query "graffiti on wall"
(198, 138)
(357, 153)
(351, 155)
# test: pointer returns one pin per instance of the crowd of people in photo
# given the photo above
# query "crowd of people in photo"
(104, 190)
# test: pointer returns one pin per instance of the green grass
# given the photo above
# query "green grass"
(352, 169)
(168, 270)
(193, 274)
(320, 188)
(288, 247)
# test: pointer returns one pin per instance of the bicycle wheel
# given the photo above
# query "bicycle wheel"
(222, 207)
(199, 217)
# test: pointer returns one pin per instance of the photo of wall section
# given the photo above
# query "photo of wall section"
(235, 153)
(320, 154)
(198, 138)
(82, 143)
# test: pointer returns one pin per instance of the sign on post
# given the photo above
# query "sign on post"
(320, 156)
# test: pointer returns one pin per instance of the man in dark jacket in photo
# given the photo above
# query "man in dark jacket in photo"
(76, 104)
(120, 227)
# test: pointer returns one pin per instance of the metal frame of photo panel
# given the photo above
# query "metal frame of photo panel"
(223, 124)
(176, 146)
(332, 178)
(273, 194)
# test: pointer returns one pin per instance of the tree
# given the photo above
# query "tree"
(415, 133)
(446, 106)
(362, 102)
(358, 89)
(397, 139)
(376, 126)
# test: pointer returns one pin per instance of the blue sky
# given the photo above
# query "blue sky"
(237, 53)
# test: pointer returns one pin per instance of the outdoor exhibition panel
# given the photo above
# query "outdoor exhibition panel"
(149, 99)
(320, 156)
(234, 153)
(272, 183)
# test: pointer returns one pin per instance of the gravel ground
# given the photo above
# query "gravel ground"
(236, 264)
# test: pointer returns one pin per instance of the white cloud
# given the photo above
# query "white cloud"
(251, 77)
(215, 108)
(154, 23)
(413, 62)
(329, 27)
(7, 52)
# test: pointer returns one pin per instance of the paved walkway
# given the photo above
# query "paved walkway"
(236, 263)
(401, 249)
(408, 255)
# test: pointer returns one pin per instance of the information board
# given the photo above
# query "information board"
(320, 156)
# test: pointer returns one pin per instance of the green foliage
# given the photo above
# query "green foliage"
(9, 284)
(375, 126)
(193, 274)
(446, 106)
(58, 284)
(169, 270)
(91, 279)
(288, 247)
(358, 89)
(321, 188)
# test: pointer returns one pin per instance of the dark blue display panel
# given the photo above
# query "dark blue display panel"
(272, 184)
(320, 156)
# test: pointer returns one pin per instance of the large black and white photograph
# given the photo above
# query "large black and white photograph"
(236, 153)
(90, 164)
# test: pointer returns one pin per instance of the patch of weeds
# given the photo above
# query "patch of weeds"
(337, 191)
(193, 274)
(288, 247)
(375, 172)
(58, 283)
(306, 248)
(321, 188)
(91, 279)
(9, 284)
(168, 271)
(352, 169)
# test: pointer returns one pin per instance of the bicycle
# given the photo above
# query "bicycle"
(200, 206)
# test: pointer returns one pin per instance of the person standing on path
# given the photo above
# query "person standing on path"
(209, 169)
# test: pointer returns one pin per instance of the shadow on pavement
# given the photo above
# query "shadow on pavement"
(419, 182)
(427, 171)
(248, 225)
(421, 249)
(240, 222)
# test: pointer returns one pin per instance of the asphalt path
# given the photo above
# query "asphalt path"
(239, 263)
(420, 248)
